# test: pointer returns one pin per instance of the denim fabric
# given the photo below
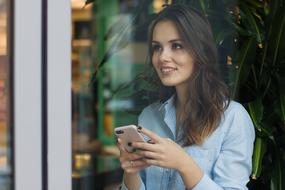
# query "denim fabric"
(225, 157)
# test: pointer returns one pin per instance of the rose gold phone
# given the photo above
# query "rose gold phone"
(128, 134)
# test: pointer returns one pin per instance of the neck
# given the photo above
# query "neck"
(181, 97)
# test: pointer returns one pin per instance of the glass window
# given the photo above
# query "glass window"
(101, 100)
(5, 98)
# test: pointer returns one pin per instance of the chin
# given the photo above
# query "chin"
(168, 83)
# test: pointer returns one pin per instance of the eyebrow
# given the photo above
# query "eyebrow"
(174, 40)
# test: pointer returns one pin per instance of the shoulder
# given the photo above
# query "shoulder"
(237, 120)
(150, 109)
(150, 115)
(235, 107)
(236, 110)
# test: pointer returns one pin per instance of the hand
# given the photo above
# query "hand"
(161, 152)
(130, 162)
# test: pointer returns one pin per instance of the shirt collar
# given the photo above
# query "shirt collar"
(169, 114)
(167, 103)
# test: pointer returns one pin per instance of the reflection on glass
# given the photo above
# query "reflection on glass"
(5, 144)
(85, 144)
(96, 107)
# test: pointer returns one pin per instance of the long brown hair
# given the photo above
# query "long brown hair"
(208, 95)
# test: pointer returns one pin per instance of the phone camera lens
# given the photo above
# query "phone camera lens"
(119, 132)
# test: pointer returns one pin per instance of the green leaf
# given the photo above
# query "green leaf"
(222, 35)
(281, 110)
(203, 6)
(245, 59)
(240, 30)
(277, 37)
(256, 112)
(282, 105)
(253, 24)
(259, 150)
(266, 8)
(257, 4)
(278, 175)
(267, 132)
(231, 20)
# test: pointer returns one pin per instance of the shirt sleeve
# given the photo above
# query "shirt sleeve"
(234, 164)
(142, 179)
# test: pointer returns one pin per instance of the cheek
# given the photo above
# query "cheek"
(186, 61)
(154, 61)
(187, 67)
(189, 71)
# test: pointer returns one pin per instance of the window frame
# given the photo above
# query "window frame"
(42, 94)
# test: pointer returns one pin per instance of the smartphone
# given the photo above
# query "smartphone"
(128, 134)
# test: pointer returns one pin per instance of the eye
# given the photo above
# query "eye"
(155, 48)
(176, 46)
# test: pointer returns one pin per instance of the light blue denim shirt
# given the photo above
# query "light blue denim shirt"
(225, 156)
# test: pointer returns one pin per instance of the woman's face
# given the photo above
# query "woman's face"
(171, 58)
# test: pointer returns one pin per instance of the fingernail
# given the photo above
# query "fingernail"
(129, 144)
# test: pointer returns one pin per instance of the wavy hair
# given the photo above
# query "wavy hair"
(208, 94)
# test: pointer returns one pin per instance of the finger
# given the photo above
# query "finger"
(133, 163)
(152, 162)
(154, 137)
(135, 169)
(134, 156)
(120, 145)
(136, 166)
(125, 157)
(150, 155)
(146, 146)
(138, 163)
(126, 164)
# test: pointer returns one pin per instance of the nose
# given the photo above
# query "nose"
(165, 55)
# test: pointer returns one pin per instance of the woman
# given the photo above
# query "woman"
(199, 138)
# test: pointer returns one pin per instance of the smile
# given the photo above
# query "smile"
(167, 70)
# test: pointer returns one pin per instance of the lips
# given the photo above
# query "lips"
(167, 70)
